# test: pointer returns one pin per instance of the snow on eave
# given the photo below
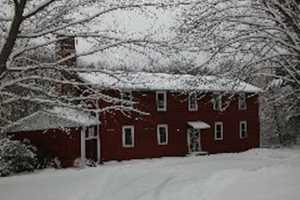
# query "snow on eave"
(44, 120)
(81, 117)
(146, 81)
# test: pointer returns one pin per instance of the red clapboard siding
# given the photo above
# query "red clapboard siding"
(176, 117)
(56, 142)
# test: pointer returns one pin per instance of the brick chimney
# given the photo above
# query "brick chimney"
(65, 48)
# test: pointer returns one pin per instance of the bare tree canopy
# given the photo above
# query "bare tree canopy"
(261, 37)
(31, 73)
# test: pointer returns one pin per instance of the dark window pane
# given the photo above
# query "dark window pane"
(95, 131)
(243, 130)
(161, 100)
(193, 101)
(128, 136)
(162, 135)
(242, 102)
(218, 131)
(86, 133)
(160, 97)
(219, 134)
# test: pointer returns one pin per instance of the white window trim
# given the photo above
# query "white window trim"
(158, 134)
(241, 102)
(222, 130)
(246, 127)
(123, 136)
(189, 103)
(165, 101)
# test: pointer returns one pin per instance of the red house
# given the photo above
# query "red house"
(182, 114)
(177, 115)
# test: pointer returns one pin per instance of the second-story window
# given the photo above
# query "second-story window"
(217, 103)
(126, 97)
(161, 101)
(242, 102)
(192, 102)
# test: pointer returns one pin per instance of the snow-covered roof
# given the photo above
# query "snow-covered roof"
(58, 117)
(163, 81)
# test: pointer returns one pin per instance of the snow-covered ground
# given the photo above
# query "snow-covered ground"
(259, 174)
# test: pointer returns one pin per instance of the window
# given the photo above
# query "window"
(219, 131)
(90, 133)
(128, 136)
(243, 129)
(161, 101)
(242, 102)
(192, 102)
(126, 96)
(217, 103)
(162, 134)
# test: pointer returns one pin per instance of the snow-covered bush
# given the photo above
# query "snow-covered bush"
(16, 156)
(88, 162)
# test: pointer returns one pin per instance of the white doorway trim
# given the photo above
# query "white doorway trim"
(82, 146)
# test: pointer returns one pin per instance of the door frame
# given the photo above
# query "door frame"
(83, 143)
(189, 139)
(91, 134)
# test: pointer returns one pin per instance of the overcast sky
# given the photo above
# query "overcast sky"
(136, 24)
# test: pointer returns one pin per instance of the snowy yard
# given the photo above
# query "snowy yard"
(260, 174)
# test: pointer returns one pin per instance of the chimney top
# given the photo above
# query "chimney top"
(64, 48)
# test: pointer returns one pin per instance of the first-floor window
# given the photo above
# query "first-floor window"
(219, 131)
(243, 129)
(162, 134)
(128, 136)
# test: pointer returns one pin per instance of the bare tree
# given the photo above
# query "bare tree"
(261, 37)
(29, 72)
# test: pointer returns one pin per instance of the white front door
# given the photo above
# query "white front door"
(194, 140)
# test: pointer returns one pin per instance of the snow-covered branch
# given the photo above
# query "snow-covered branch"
(31, 76)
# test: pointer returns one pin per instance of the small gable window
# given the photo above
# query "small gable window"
(242, 102)
(217, 103)
(161, 101)
(162, 134)
(243, 129)
(192, 102)
(128, 136)
(219, 131)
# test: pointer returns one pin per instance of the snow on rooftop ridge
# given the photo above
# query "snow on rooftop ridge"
(164, 81)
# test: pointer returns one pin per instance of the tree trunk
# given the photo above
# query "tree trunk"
(12, 35)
